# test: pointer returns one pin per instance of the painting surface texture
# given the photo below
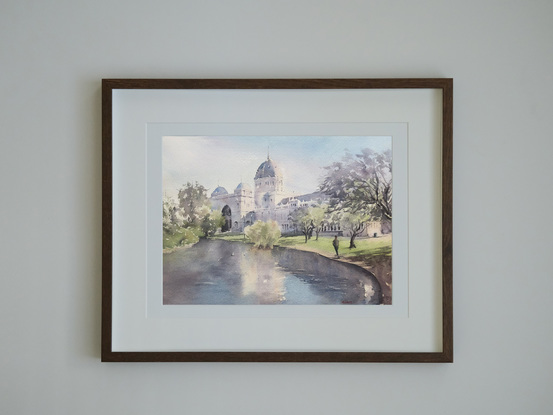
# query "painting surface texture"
(302, 220)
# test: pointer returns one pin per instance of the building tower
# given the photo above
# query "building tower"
(269, 188)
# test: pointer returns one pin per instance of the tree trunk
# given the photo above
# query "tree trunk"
(352, 241)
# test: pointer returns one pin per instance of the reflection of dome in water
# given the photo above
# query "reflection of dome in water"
(267, 169)
(220, 190)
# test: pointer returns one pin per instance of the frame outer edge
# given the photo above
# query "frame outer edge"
(447, 220)
(107, 205)
(446, 84)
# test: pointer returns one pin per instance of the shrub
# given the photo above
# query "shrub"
(181, 237)
(212, 222)
(263, 234)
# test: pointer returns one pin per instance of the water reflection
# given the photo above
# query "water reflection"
(221, 272)
(261, 279)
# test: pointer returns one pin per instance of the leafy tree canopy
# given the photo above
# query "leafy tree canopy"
(263, 234)
(302, 220)
(211, 222)
(194, 203)
(361, 184)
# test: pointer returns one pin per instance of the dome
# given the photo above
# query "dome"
(220, 190)
(242, 186)
(267, 169)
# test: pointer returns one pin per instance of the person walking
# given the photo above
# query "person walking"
(336, 245)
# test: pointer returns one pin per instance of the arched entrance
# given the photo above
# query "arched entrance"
(227, 216)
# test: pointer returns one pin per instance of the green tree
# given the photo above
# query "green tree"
(361, 184)
(172, 218)
(355, 224)
(211, 222)
(176, 232)
(302, 220)
(319, 217)
(263, 234)
(193, 202)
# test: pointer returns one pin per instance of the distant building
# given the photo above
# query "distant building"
(267, 201)
(237, 207)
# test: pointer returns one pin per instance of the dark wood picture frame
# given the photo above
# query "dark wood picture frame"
(110, 85)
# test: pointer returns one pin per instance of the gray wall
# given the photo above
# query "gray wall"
(52, 57)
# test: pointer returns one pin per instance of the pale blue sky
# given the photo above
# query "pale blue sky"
(227, 160)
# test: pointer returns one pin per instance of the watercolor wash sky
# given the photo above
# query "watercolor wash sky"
(228, 160)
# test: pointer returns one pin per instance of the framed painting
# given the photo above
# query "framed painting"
(277, 220)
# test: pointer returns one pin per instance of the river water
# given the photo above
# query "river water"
(223, 272)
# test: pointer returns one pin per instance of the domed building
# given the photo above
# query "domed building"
(268, 169)
(268, 200)
(219, 191)
(269, 188)
(234, 207)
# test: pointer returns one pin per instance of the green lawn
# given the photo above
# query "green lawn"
(365, 247)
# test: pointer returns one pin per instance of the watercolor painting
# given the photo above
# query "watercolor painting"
(299, 220)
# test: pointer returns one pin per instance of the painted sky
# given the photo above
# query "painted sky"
(228, 160)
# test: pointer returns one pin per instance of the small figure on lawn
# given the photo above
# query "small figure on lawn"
(336, 244)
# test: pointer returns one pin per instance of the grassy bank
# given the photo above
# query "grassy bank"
(236, 237)
(181, 237)
(373, 254)
(365, 247)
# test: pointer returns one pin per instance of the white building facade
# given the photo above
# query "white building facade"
(267, 201)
